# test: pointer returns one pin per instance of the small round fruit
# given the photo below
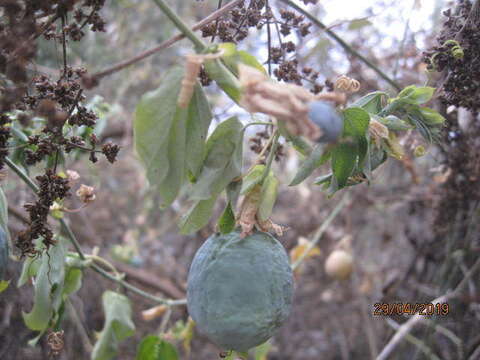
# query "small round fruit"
(339, 264)
(3, 252)
(327, 119)
(240, 291)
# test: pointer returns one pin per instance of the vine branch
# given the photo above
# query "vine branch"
(167, 10)
(73, 239)
(124, 64)
(321, 230)
(343, 44)
(406, 327)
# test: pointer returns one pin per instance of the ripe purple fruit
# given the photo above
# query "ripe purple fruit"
(325, 116)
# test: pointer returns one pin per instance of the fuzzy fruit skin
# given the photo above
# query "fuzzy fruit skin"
(3, 252)
(240, 291)
(339, 264)
(327, 119)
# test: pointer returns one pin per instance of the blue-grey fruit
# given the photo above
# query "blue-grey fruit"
(327, 119)
(240, 291)
(3, 253)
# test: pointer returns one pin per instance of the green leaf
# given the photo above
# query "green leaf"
(226, 222)
(48, 288)
(153, 348)
(323, 179)
(416, 95)
(176, 152)
(261, 351)
(233, 192)
(198, 216)
(73, 281)
(372, 103)
(268, 197)
(224, 78)
(394, 123)
(163, 132)
(253, 178)
(223, 160)
(118, 325)
(233, 57)
(318, 157)
(356, 122)
(299, 143)
(4, 285)
(4, 213)
(198, 122)
(29, 269)
(358, 24)
(154, 118)
(344, 159)
(431, 117)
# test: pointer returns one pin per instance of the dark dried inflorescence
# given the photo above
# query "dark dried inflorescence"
(235, 26)
(457, 56)
(52, 187)
(57, 101)
(259, 141)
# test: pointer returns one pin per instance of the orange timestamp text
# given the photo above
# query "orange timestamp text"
(427, 309)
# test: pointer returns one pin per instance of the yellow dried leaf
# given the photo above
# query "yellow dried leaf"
(301, 248)
(153, 313)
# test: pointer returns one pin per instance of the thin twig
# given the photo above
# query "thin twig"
(405, 328)
(170, 13)
(343, 44)
(271, 155)
(124, 64)
(79, 325)
(321, 230)
(420, 344)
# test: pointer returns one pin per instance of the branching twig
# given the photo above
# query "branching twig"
(124, 64)
(76, 245)
(405, 328)
(321, 230)
(343, 44)
(424, 348)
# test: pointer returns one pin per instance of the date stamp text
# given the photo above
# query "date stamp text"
(426, 309)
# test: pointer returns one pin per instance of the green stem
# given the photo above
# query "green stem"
(271, 155)
(343, 44)
(76, 245)
(321, 230)
(21, 174)
(257, 123)
(199, 44)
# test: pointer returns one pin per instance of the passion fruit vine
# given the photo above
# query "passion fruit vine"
(240, 290)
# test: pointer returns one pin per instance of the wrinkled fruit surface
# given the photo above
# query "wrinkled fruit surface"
(326, 117)
(3, 253)
(240, 290)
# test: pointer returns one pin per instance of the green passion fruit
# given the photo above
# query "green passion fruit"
(240, 290)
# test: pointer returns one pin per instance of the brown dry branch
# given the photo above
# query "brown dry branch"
(92, 80)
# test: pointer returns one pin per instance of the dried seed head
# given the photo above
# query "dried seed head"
(86, 193)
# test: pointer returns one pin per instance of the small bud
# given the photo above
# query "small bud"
(86, 194)
(377, 130)
(419, 151)
(339, 265)
(72, 176)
